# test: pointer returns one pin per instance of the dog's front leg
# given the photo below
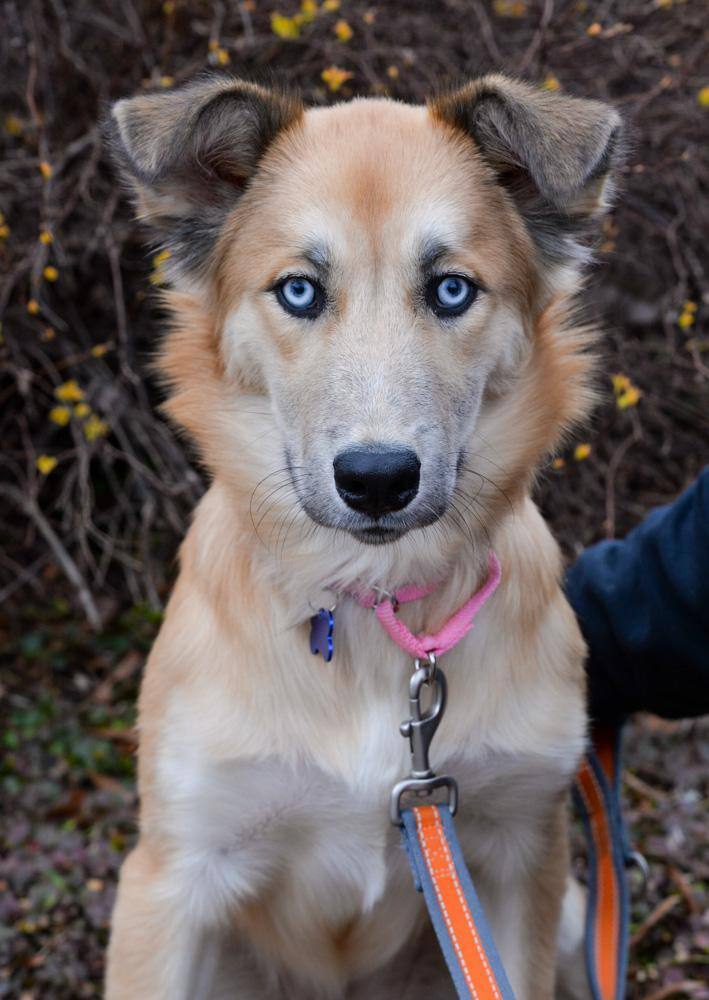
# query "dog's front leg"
(157, 951)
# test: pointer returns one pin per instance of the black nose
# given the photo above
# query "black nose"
(377, 480)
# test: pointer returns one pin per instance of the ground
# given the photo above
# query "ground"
(96, 489)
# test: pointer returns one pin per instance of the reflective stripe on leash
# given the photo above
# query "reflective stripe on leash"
(597, 797)
(457, 915)
(453, 905)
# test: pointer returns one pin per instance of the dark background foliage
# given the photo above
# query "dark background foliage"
(94, 498)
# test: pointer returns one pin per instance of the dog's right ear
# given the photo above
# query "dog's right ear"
(555, 155)
(188, 154)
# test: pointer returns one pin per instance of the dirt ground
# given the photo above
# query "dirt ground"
(96, 489)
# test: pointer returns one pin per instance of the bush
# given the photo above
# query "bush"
(93, 481)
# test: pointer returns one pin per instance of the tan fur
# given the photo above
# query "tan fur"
(267, 866)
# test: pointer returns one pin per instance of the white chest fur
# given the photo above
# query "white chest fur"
(284, 808)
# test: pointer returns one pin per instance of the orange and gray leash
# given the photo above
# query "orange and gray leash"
(440, 871)
(435, 856)
(428, 832)
(597, 796)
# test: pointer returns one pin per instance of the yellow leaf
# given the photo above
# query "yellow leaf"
(594, 30)
(45, 237)
(158, 275)
(48, 333)
(69, 392)
(45, 170)
(13, 125)
(50, 273)
(60, 415)
(4, 231)
(689, 306)
(284, 27)
(369, 16)
(45, 464)
(630, 397)
(308, 10)
(82, 410)
(334, 77)
(703, 97)
(342, 30)
(686, 320)
(393, 72)
(98, 350)
(33, 307)
(558, 463)
(620, 383)
(95, 428)
(581, 452)
(331, 5)
(551, 83)
(167, 81)
(222, 57)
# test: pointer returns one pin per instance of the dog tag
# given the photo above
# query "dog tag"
(322, 632)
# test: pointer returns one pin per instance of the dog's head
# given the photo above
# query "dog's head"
(367, 294)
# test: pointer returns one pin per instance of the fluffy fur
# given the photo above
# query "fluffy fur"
(267, 866)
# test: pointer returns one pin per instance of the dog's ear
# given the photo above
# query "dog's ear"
(188, 154)
(555, 154)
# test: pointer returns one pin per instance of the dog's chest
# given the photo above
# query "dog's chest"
(311, 860)
(276, 802)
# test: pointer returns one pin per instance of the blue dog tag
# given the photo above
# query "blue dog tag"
(322, 633)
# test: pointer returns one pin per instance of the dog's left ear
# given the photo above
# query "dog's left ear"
(555, 154)
(188, 154)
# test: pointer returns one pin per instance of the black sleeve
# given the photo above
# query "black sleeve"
(643, 607)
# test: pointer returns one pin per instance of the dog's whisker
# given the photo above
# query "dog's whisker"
(288, 488)
(294, 516)
(285, 484)
(500, 490)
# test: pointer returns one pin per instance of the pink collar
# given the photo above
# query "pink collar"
(455, 629)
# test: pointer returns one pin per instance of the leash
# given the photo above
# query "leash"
(428, 832)
(457, 916)
(597, 798)
(436, 860)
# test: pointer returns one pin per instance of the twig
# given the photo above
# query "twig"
(664, 907)
(70, 568)
(643, 788)
(685, 889)
(613, 466)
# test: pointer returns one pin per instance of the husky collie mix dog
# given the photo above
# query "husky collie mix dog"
(373, 346)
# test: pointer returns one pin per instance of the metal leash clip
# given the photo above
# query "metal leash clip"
(420, 729)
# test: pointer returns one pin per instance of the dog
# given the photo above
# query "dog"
(374, 346)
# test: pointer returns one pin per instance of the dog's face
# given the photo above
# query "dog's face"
(377, 281)
(374, 270)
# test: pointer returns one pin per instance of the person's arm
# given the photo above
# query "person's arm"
(643, 607)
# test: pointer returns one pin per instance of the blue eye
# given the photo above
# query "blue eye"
(450, 295)
(300, 297)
